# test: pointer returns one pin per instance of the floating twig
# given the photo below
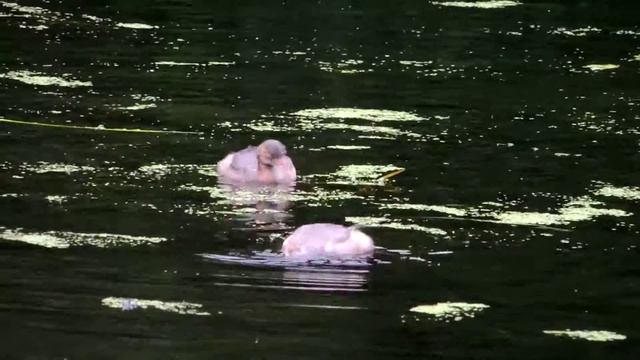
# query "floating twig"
(99, 128)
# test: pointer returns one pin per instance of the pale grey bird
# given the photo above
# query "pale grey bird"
(328, 240)
(267, 163)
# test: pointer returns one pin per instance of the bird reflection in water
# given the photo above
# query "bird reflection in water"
(343, 275)
(262, 207)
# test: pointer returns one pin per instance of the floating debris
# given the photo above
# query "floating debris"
(98, 128)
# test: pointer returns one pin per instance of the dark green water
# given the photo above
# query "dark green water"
(519, 127)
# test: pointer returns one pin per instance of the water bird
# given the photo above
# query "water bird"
(325, 240)
(267, 163)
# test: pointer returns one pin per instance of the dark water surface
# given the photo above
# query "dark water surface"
(518, 124)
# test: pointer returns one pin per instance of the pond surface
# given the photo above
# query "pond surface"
(513, 233)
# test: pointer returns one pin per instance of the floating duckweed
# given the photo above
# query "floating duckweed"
(415, 63)
(92, 18)
(369, 129)
(491, 4)
(451, 310)
(43, 167)
(363, 171)
(358, 174)
(64, 239)
(215, 192)
(574, 211)
(561, 154)
(589, 335)
(355, 113)
(371, 221)
(319, 196)
(629, 193)
(137, 26)
(209, 63)
(29, 10)
(312, 120)
(221, 63)
(600, 67)
(162, 170)
(437, 208)
(39, 239)
(348, 147)
(627, 32)
(344, 66)
(56, 199)
(137, 107)
(159, 170)
(576, 32)
(176, 63)
(182, 307)
(35, 78)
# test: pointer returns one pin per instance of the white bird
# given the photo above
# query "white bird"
(328, 240)
(266, 164)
